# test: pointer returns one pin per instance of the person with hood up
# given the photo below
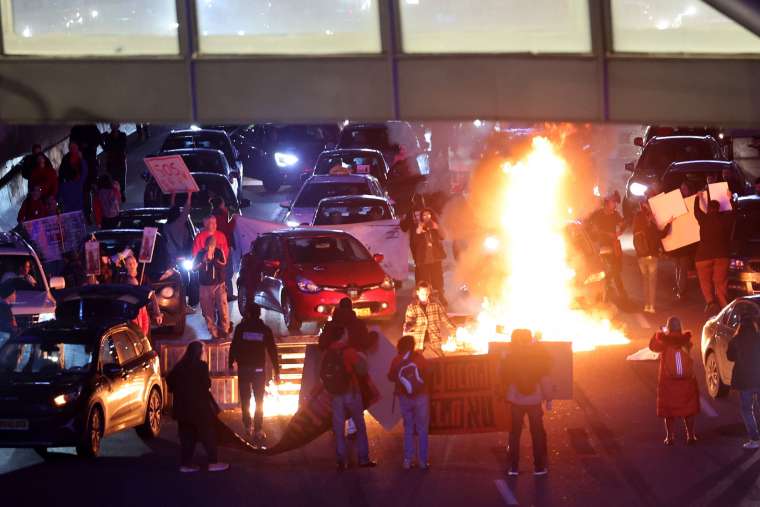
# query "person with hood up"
(744, 351)
(193, 408)
(345, 316)
(677, 390)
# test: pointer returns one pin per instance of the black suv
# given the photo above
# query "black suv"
(87, 374)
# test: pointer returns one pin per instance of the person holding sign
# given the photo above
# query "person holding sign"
(211, 264)
(713, 252)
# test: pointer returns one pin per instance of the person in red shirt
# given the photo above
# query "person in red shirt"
(33, 207)
(226, 227)
(45, 176)
(210, 229)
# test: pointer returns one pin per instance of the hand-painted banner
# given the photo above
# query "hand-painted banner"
(55, 235)
(171, 174)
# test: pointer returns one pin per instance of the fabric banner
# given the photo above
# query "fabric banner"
(55, 235)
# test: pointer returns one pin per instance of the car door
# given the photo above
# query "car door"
(265, 251)
(133, 374)
(111, 389)
(740, 310)
(144, 368)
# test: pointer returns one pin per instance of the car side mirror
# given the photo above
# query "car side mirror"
(285, 204)
(272, 264)
(112, 370)
(378, 257)
(638, 141)
(245, 203)
(57, 283)
(629, 166)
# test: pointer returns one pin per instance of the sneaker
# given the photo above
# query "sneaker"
(407, 464)
(188, 469)
(218, 467)
(368, 464)
(541, 472)
(751, 444)
(514, 472)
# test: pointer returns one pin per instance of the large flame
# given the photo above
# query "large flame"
(537, 291)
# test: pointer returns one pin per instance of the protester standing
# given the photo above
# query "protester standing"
(427, 321)
(33, 207)
(43, 175)
(341, 371)
(428, 252)
(226, 227)
(30, 164)
(713, 253)
(88, 138)
(210, 264)
(744, 351)
(175, 229)
(344, 316)
(115, 148)
(608, 225)
(251, 342)
(106, 202)
(525, 373)
(73, 189)
(677, 391)
(193, 408)
(647, 241)
(408, 371)
(8, 326)
(210, 229)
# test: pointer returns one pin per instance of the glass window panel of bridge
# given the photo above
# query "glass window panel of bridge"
(677, 26)
(89, 27)
(295, 27)
(495, 26)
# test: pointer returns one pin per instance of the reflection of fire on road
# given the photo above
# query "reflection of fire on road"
(536, 290)
(278, 399)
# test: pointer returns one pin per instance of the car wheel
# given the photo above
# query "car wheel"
(289, 314)
(272, 183)
(89, 446)
(151, 427)
(715, 386)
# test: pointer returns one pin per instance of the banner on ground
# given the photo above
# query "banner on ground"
(58, 234)
(171, 174)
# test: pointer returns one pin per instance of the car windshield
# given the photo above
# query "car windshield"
(208, 189)
(49, 356)
(138, 222)
(378, 138)
(353, 163)
(302, 134)
(658, 156)
(325, 249)
(312, 193)
(204, 163)
(23, 270)
(200, 140)
(695, 180)
(351, 213)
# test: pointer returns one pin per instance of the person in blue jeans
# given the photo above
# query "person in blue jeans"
(744, 351)
(408, 371)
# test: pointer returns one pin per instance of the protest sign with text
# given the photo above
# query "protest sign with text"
(171, 174)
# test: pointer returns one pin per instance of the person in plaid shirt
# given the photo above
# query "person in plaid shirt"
(427, 321)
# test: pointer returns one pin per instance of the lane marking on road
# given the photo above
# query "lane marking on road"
(719, 490)
(704, 404)
(505, 492)
(643, 322)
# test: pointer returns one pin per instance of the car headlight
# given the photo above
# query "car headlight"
(736, 264)
(44, 317)
(186, 264)
(167, 292)
(292, 223)
(67, 397)
(306, 285)
(387, 283)
(491, 243)
(596, 277)
(638, 189)
(285, 159)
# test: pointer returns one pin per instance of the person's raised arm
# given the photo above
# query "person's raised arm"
(698, 213)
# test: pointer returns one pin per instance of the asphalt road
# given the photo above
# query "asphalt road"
(605, 444)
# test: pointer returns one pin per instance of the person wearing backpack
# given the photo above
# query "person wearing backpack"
(340, 373)
(677, 390)
(408, 371)
(647, 238)
(744, 351)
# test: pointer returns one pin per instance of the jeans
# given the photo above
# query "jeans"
(713, 280)
(344, 406)
(213, 299)
(252, 379)
(537, 434)
(747, 400)
(416, 413)
(683, 263)
(648, 267)
(189, 435)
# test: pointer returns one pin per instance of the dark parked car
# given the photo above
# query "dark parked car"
(85, 375)
(354, 161)
(206, 160)
(744, 270)
(385, 137)
(695, 174)
(656, 158)
(162, 273)
(279, 154)
(203, 138)
(716, 334)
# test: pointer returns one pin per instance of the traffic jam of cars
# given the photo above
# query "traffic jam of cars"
(367, 216)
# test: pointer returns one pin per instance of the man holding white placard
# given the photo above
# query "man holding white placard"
(713, 252)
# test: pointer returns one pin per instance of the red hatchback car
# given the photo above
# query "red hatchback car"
(305, 273)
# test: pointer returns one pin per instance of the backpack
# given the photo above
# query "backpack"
(677, 363)
(333, 373)
(409, 377)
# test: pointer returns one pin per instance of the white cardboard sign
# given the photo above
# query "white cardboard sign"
(685, 228)
(171, 174)
(666, 207)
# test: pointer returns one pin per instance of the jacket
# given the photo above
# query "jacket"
(419, 244)
(250, 343)
(189, 383)
(46, 178)
(744, 351)
(210, 272)
(422, 367)
(221, 242)
(71, 188)
(647, 236)
(355, 365)
(715, 230)
(676, 397)
(32, 210)
(430, 319)
(358, 334)
(525, 373)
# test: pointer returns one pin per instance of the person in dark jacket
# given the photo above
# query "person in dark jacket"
(744, 351)
(211, 264)
(30, 163)
(193, 408)
(73, 186)
(647, 238)
(713, 253)
(428, 252)
(608, 225)
(33, 207)
(115, 148)
(251, 342)
(344, 316)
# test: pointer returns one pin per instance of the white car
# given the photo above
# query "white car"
(353, 209)
(34, 302)
(301, 210)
